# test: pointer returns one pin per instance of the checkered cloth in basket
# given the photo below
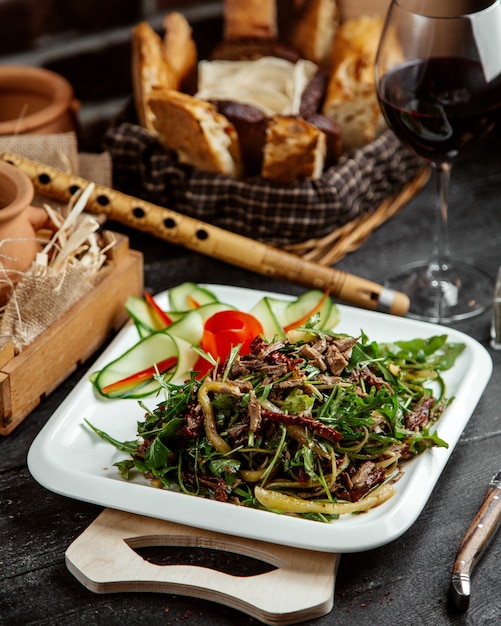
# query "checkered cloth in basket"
(279, 214)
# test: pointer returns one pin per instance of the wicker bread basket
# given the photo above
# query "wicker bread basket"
(321, 220)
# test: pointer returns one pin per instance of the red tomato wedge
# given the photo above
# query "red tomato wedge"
(159, 312)
(129, 382)
(222, 332)
(202, 367)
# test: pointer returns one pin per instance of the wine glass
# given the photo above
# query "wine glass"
(438, 77)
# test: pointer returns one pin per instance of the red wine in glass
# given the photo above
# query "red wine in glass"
(438, 76)
(442, 107)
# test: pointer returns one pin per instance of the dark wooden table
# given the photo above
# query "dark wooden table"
(405, 582)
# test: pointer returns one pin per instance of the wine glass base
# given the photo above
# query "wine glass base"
(448, 294)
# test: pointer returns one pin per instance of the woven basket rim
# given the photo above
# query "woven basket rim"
(333, 247)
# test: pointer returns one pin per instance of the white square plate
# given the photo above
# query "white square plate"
(69, 459)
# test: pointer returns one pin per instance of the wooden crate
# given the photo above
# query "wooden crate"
(26, 378)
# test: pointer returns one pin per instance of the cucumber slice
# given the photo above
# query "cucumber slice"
(186, 364)
(308, 304)
(332, 319)
(278, 307)
(188, 296)
(264, 312)
(143, 317)
(190, 326)
(154, 348)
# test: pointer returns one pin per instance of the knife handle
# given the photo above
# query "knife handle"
(474, 543)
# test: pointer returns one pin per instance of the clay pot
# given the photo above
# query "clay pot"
(19, 222)
(34, 100)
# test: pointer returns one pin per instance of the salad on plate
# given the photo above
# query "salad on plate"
(272, 408)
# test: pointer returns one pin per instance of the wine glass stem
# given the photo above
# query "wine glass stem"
(440, 254)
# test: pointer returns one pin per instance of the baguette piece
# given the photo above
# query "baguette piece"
(249, 19)
(313, 30)
(351, 93)
(180, 49)
(294, 150)
(149, 70)
(199, 135)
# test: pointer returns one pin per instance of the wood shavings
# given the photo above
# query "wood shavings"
(75, 237)
(72, 260)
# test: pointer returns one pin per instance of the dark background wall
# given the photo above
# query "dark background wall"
(88, 42)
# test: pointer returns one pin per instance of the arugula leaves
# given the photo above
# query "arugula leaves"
(381, 407)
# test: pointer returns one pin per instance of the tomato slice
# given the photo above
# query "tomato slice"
(226, 329)
(202, 367)
(223, 331)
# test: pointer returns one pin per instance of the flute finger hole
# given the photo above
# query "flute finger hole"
(138, 212)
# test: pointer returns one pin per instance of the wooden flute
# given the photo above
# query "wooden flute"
(211, 240)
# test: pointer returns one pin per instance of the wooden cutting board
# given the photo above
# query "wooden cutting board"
(299, 588)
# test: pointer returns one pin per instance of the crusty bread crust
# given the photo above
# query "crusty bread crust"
(196, 132)
(313, 30)
(294, 150)
(149, 70)
(249, 19)
(180, 49)
(351, 94)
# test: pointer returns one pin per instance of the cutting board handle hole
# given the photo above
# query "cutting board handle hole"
(231, 563)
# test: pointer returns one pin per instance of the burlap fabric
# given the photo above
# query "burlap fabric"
(60, 151)
(43, 294)
(40, 299)
(275, 213)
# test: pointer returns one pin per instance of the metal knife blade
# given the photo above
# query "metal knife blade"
(474, 543)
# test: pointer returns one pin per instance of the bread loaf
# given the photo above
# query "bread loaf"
(180, 49)
(149, 70)
(158, 62)
(196, 132)
(294, 150)
(249, 19)
(265, 108)
(313, 29)
(351, 93)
